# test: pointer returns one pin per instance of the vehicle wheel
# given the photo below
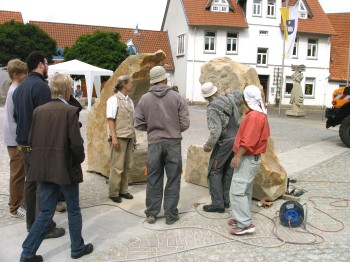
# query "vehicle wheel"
(344, 131)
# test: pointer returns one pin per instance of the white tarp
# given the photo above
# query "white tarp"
(92, 75)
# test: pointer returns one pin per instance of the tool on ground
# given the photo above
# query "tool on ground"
(265, 203)
(291, 214)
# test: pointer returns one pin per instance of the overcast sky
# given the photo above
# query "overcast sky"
(148, 14)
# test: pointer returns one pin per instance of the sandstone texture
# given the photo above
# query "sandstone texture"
(98, 149)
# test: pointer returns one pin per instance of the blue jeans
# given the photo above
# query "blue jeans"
(164, 155)
(48, 201)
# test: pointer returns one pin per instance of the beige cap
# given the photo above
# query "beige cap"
(208, 89)
(157, 74)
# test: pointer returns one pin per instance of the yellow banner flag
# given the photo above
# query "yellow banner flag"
(290, 16)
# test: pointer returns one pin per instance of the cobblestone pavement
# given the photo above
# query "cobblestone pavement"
(199, 236)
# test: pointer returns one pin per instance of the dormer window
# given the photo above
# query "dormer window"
(302, 10)
(220, 6)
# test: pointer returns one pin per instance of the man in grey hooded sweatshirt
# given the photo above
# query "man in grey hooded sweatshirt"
(163, 113)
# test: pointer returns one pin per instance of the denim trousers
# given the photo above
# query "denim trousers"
(163, 155)
(242, 189)
(48, 200)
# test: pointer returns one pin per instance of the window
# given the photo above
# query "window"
(214, 8)
(262, 56)
(224, 9)
(257, 8)
(181, 45)
(295, 48)
(220, 6)
(289, 86)
(303, 15)
(209, 44)
(312, 48)
(231, 43)
(302, 10)
(271, 8)
(263, 33)
(309, 87)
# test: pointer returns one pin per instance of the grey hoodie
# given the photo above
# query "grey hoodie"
(163, 113)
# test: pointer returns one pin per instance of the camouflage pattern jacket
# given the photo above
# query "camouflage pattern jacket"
(223, 118)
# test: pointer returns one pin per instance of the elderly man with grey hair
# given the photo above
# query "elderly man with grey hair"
(223, 119)
(163, 113)
(57, 151)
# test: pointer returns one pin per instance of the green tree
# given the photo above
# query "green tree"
(102, 49)
(18, 40)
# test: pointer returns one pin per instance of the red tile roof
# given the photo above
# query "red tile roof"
(318, 23)
(146, 41)
(7, 16)
(340, 46)
(198, 14)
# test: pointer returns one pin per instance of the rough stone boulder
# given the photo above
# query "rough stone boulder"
(98, 149)
(271, 179)
(197, 165)
(225, 73)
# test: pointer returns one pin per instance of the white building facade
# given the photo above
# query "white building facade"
(258, 44)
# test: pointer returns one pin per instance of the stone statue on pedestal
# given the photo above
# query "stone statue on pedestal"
(297, 96)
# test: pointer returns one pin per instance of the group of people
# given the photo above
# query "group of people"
(236, 146)
(163, 113)
(42, 134)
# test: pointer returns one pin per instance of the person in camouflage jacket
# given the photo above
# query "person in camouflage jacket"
(223, 118)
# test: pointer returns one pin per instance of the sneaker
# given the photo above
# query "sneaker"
(232, 222)
(36, 258)
(117, 199)
(151, 219)
(61, 207)
(55, 233)
(170, 222)
(87, 250)
(242, 231)
(19, 213)
(211, 208)
(126, 196)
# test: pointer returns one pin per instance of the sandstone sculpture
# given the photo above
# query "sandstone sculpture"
(98, 149)
(271, 179)
(297, 96)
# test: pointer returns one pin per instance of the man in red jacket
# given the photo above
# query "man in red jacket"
(250, 142)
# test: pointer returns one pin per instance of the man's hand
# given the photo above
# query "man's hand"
(206, 149)
(115, 142)
(236, 161)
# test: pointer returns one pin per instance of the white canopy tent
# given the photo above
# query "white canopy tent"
(92, 75)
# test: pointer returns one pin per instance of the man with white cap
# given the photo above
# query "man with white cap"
(163, 113)
(223, 121)
(250, 142)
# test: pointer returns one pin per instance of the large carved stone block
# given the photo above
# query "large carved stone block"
(197, 165)
(98, 149)
(271, 180)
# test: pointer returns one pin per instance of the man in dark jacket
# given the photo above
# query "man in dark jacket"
(57, 151)
(30, 94)
(223, 121)
(163, 113)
